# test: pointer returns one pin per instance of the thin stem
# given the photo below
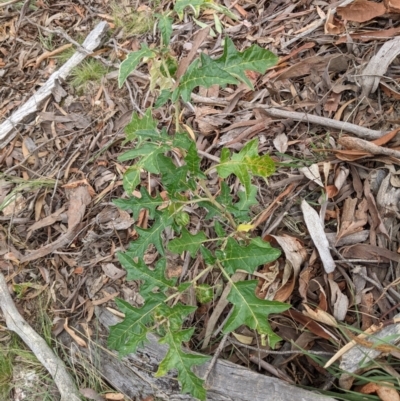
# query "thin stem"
(217, 204)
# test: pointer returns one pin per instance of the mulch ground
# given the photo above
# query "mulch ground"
(77, 140)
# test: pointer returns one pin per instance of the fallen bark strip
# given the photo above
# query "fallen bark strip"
(9, 128)
(134, 374)
(361, 132)
(38, 345)
(360, 144)
(326, 122)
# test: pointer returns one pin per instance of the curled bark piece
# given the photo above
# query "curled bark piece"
(359, 144)
(8, 129)
(316, 230)
(38, 345)
(378, 65)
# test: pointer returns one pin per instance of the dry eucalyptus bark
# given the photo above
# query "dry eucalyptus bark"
(134, 375)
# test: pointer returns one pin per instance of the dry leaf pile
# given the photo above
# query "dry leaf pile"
(332, 206)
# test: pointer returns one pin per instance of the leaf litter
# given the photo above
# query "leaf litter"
(337, 226)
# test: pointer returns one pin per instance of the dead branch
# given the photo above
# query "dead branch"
(294, 115)
(16, 323)
(9, 128)
(133, 376)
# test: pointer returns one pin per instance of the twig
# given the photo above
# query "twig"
(271, 369)
(215, 357)
(15, 322)
(64, 34)
(326, 122)
(360, 144)
(270, 351)
(26, 112)
(281, 113)
(208, 156)
(316, 26)
(8, 3)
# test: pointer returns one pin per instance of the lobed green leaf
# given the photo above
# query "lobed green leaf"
(206, 76)
(241, 163)
(142, 126)
(132, 61)
(187, 242)
(183, 362)
(237, 63)
(246, 257)
(131, 333)
(165, 27)
(252, 311)
(152, 279)
(150, 236)
(137, 204)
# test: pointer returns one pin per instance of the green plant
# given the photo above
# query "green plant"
(228, 247)
(5, 374)
(89, 70)
(132, 21)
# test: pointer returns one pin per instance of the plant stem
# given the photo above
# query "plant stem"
(217, 204)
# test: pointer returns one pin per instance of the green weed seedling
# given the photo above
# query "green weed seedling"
(228, 247)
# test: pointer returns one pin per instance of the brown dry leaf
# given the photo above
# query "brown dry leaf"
(75, 184)
(332, 24)
(91, 394)
(370, 35)
(341, 175)
(114, 396)
(269, 277)
(353, 221)
(294, 250)
(122, 222)
(389, 91)
(47, 221)
(63, 240)
(296, 51)
(39, 205)
(28, 149)
(367, 310)
(243, 339)
(361, 11)
(80, 341)
(112, 271)
(351, 155)
(281, 142)
(378, 65)
(367, 147)
(184, 64)
(339, 301)
(384, 390)
(311, 325)
(339, 113)
(312, 173)
(316, 230)
(304, 67)
(206, 123)
(304, 280)
(79, 197)
(266, 213)
(16, 205)
(332, 102)
(107, 298)
(370, 252)
(393, 6)
(320, 316)
(386, 138)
